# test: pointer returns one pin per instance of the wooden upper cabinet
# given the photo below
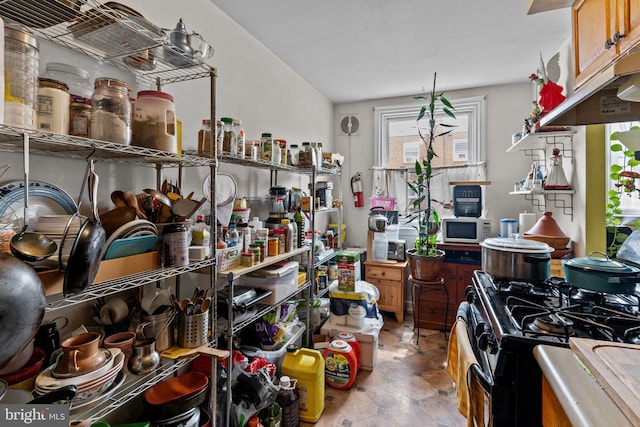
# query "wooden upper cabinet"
(603, 30)
(630, 24)
(594, 23)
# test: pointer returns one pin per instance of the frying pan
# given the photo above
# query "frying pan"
(86, 251)
(22, 302)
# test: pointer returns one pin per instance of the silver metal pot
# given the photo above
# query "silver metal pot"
(377, 221)
(516, 259)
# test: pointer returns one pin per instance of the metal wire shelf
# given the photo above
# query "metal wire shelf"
(109, 287)
(74, 147)
(108, 32)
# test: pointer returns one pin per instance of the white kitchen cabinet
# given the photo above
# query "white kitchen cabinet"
(538, 146)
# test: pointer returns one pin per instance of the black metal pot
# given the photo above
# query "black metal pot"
(601, 274)
(516, 259)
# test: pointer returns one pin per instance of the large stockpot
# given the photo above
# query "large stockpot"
(601, 274)
(516, 259)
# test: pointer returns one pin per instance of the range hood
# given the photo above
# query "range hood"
(597, 101)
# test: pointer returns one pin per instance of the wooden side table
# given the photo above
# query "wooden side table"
(390, 279)
(420, 286)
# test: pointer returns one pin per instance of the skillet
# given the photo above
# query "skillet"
(86, 251)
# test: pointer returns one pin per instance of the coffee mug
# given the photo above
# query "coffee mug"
(80, 353)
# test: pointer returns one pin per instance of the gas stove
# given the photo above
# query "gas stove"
(553, 311)
(506, 319)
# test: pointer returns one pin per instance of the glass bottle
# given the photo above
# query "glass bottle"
(111, 111)
(240, 138)
(299, 219)
(204, 139)
(229, 135)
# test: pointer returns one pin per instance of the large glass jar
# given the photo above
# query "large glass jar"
(111, 111)
(76, 78)
(21, 62)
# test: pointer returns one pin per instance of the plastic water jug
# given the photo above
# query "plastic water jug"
(306, 366)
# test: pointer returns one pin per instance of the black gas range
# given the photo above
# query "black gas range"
(507, 319)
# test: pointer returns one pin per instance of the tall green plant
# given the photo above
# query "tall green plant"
(624, 175)
(427, 217)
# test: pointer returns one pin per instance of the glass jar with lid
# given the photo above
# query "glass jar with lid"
(75, 77)
(111, 111)
(228, 135)
(21, 65)
(154, 123)
(53, 106)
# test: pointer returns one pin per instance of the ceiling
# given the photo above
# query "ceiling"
(366, 49)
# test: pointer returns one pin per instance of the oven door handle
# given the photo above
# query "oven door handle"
(485, 382)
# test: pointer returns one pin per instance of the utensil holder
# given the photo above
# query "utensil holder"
(193, 330)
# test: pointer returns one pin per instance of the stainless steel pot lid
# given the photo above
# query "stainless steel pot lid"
(599, 261)
(513, 244)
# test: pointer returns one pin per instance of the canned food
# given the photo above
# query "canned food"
(175, 245)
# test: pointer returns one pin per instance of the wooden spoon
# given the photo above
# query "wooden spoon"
(117, 197)
(131, 200)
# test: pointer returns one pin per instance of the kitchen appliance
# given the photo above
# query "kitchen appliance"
(396, 250)
(507, 318)
(467, 201)
(465, 229)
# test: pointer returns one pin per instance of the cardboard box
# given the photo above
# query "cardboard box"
(348, 257)
(53, 280)
(367, 336)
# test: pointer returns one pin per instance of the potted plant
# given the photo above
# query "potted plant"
(425, 260)
(625, 176)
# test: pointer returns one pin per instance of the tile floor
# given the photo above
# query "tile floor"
(408, 385)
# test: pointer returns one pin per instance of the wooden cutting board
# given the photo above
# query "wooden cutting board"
(616, 367)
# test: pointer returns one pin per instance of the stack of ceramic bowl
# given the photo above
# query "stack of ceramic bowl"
(96, 371)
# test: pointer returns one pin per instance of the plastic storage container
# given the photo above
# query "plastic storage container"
(306, 366)
(154, 121)
(280, 278)
(277, 356)
(76, 78)
(353, 342)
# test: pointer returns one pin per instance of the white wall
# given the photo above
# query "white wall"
(507, 106)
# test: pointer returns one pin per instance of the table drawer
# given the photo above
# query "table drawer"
(383, 273)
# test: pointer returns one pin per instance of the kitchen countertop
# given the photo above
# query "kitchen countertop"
(583, 400)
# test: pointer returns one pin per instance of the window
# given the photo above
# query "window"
(630, 202)
(461, 154)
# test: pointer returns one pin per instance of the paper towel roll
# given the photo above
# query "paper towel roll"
(526, 221)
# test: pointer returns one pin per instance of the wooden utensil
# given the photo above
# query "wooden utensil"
(131, 200)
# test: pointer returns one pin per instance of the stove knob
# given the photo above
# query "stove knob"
(480, 329)
(484, 341)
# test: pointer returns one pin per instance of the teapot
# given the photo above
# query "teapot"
(377, 221)
(186, 49)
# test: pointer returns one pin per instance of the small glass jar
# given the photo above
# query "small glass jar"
(293, 154)
(111, 111)
(263, 248)
(255, 250)
(247, 259)
(53, 106)
(80, 118)
(274, 246)
(229, 139)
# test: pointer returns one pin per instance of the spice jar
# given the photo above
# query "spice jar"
(229, 139)
(273, 246)
(111, 111)
(80, 117)
(53, 106)
(263, 248)
(254, 248)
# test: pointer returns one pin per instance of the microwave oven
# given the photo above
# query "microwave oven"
(396, 250)
(465, 229)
